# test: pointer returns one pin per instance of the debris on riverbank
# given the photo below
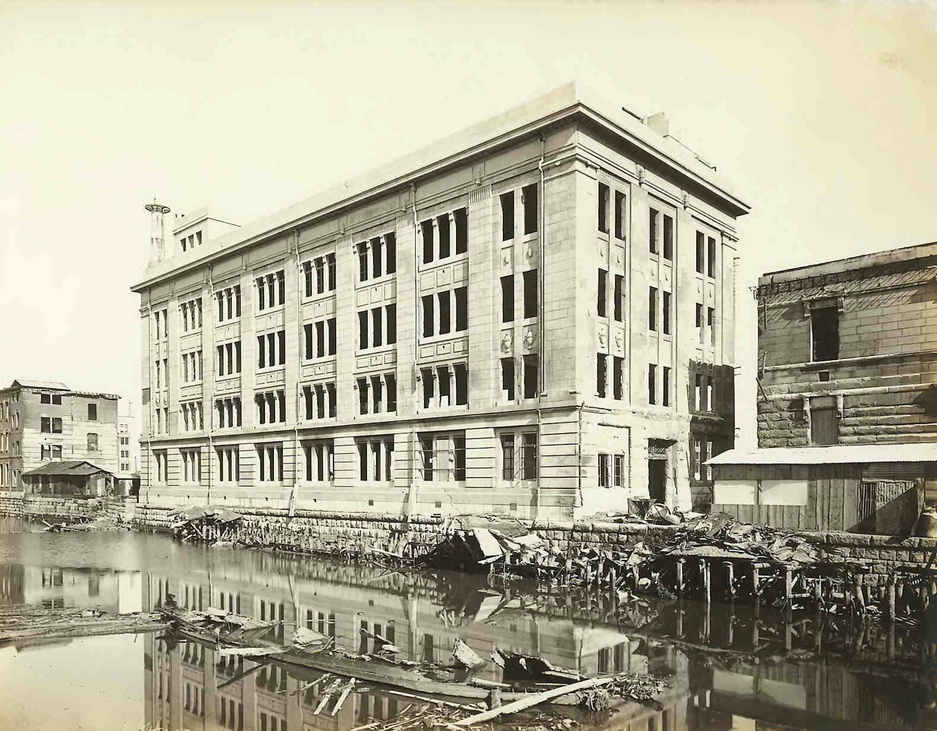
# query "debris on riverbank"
(104, 522)
(205, 525)
(26, 624)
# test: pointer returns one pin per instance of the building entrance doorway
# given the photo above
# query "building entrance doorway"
(658, 453)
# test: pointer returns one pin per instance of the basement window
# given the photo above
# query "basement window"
(824, 332)
(507, 216)
(531, 208)
(507, 298)
(530, 293)
(603, 207)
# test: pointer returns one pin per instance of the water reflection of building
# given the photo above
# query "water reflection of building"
(188, 684)
(53, 587)
(11, 584)
(726, 663)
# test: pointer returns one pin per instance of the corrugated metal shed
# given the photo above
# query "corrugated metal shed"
(75, 468)
(839, 454)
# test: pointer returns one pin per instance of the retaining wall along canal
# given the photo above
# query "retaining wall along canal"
(322, 531)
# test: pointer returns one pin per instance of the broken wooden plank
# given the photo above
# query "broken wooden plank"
(534, 700)
(251, 651)
(341, 699)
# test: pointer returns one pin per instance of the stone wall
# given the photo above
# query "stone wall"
(322, 531)
(37, 508)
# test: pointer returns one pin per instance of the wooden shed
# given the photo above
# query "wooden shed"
(878, 488)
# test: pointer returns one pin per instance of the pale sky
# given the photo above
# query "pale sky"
(816, 112)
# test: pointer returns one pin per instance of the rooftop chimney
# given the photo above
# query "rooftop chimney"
(157, 231)
(658, 122)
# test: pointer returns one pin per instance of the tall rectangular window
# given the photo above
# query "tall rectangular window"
(618, 302)
(603, 207)
(824, 333)
(92, 412)
(665, 387)
(711, 324)
(364, 330)
(668, 237)
(531, 208)
(507, 298)
(363, 268)
(507, 457)
(666, 312)
(461, 309)
(531, 303)
(429, 317)
(620, 215)
(445, 239)
(390, 312)
(507, 216)
(601, 309)
(700, 252)
(601, 374)
(652, 383)
(698, 320)
(604, 470)
(531, 375)
(618, 378)
(461, 230)
(652, 309)
(529, 469)
(653, 231)
(444, 315)
(507, 379)
(429, 247)
(711, 257)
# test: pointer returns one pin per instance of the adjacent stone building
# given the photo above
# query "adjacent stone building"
(848, 351)
(42, 423)
(534, 316)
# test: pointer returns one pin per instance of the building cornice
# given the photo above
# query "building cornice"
(565, 105)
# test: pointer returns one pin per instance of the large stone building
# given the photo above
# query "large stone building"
(534, 316)
(848, 351)
(43, 423)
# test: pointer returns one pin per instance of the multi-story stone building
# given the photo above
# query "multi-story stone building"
(848, 351)
(534, 316)
(48, 422)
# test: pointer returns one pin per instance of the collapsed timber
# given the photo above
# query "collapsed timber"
(440, 695)
(709, 558)
(24, 625)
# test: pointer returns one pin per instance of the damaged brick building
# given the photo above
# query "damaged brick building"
(848, 351)
(534, 316)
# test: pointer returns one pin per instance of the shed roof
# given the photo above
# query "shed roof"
(838, 454)
(73, 468)
(47, 385)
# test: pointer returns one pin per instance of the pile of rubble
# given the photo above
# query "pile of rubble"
(205, 525)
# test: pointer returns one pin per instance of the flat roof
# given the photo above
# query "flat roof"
(559, 104)
(836, 454)
(852, 263)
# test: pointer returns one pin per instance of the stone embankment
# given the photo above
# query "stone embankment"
(328, 532)
(69, 510)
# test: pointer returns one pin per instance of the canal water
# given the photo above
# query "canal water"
(727, 668)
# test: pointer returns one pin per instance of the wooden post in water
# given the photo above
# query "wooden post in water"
(680, 586)
(704, 570)
(756, 585)
(730, 577)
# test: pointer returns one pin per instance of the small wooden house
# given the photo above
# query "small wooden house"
(876, 488)
(75, 478)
